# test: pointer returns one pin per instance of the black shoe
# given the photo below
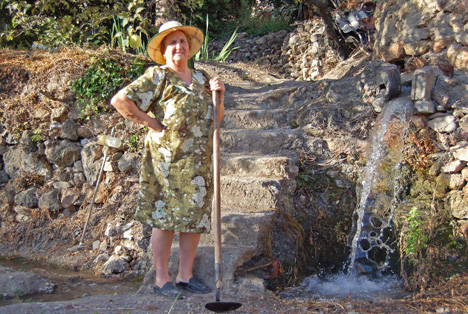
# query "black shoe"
(194, 285)
(168, 290)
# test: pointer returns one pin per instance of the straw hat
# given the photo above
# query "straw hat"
(193, 34)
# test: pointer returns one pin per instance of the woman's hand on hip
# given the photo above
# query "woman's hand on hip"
(127, 108)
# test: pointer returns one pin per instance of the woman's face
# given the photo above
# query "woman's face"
(177, 47)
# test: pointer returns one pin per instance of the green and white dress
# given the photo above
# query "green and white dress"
(176, 177)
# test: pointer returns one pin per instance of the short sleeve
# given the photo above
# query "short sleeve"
(146, 89)
(202, 78)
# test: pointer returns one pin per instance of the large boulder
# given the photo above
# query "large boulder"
(19, 161)
(63, 153)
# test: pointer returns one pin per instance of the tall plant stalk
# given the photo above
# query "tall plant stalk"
(202, 54)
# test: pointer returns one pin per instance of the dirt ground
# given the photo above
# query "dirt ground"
(259, 303)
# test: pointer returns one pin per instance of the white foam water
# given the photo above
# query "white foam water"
(352, 287)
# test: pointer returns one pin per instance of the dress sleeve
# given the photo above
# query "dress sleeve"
(202, 77)
(146, 89)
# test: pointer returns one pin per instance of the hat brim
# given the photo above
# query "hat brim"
(193, 34)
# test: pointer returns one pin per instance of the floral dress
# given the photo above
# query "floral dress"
(176, 180)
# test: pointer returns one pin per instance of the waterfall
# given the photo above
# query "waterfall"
(370, 246)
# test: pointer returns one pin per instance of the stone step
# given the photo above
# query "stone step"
(240, 229)
(244, 165)
(204, 263)
(256, 119)
(247, 97)
(273, 142)
(243, 237)
(254, 194)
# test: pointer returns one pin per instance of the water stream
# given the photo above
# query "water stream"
(370, 247)
(69, 284)
(371, 244)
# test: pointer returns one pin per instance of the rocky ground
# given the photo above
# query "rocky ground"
(441, 300)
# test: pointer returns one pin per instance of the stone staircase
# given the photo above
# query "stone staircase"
(258, 169)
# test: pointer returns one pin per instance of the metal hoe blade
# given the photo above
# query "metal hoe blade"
(219, 307)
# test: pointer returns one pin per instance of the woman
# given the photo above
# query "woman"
(174, 102)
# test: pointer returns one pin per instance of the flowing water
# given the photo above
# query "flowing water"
(371, 248)
(69, 284)
(356, 288)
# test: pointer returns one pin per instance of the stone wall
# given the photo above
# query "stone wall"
(425, 31)
(411, 34)
(303, 54)
(441, 107)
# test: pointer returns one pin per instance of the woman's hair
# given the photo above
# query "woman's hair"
(163, 42)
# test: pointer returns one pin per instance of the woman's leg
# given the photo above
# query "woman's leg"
(161, 242)
(188, 244)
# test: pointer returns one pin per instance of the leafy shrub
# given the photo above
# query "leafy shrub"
(55, 23)
(259, 23)
(427, 239)
(219, 13)
(102, 80)
(416, 239)
(52, 23)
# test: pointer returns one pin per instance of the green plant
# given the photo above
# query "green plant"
(173, 303)
(202, 54)
(129, 27)
(52, 23)
(133, 142)
(101, 81)
(18, 293)
(416, 239)
(223, 15)
(36, 137)
(117, 35)
(137, 68)
(226, 51)
(271, 23)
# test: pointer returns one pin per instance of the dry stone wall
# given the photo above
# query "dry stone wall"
(303, 54)
(440, 106)
(412, 34)
(425, 31)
